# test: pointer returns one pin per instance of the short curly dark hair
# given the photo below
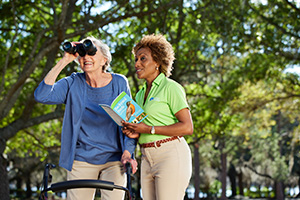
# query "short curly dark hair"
(161, 51)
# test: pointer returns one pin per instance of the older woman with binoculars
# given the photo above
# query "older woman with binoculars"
(92, 144)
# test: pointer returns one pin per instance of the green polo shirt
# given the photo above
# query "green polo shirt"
(164, 100)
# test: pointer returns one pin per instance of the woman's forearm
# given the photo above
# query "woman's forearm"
(55, 71)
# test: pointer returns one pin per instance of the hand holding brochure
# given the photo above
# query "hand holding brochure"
(124, 108)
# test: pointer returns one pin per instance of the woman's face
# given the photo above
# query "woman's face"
(92, 63)
(145, 66)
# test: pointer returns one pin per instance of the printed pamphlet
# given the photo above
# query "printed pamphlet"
(124, 108)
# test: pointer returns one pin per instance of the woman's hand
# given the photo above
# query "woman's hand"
(52, 75)
(130, 133)
(126, 158)
(69, 57)
(136, 128)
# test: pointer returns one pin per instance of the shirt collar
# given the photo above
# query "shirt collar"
(156, 81)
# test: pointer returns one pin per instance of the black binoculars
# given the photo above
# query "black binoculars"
(87, 47)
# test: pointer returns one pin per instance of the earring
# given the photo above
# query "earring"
(156, 68)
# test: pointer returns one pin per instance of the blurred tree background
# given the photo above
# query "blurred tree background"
(235, 59)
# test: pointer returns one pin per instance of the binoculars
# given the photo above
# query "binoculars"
(87, 47)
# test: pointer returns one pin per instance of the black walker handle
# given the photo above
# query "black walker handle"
(128, 172)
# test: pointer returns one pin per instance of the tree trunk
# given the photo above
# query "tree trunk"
(223, 170)
(279, 190)
(298, 195)
(241, 186)
(19, 186)
(28, 186)
(4, 186)
(223, 175)
(278, 184)
(232, 177)
(196, 174)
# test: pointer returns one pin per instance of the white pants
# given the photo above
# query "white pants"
(110, 171)
(166, 170)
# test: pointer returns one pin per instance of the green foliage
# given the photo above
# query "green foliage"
(215, 187)
(36, 141)
(230, 57)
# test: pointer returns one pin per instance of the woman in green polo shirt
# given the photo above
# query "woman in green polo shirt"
(166, 165)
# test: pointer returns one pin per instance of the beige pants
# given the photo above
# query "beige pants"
(108, 172)
(166, 171)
